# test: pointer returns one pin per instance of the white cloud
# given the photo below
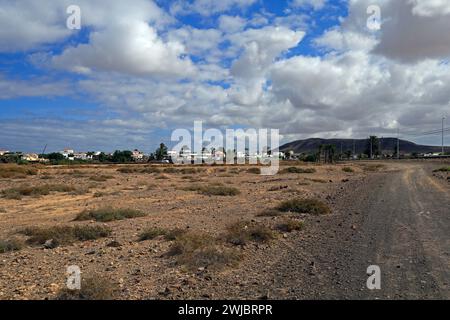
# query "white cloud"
(430, 8)
(315, 4)
(230, 24)
(129, 47)
(35, 87)
(28, 24)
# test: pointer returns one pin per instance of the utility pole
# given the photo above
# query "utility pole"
(371, 149)
(381, 147)
(354, 149)
(443, 118)
(398, 143)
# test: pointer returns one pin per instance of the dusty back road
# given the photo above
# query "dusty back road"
(398, 220)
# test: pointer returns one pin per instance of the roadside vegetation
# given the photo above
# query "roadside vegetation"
(311, 206)
(243, 232)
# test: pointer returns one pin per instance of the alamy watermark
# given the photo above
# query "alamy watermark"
(374, 19)
(374, 280)
(73, 22)
(73, 278)
(236, 146)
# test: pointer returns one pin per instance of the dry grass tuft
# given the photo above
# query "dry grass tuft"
(311, 206)
(9, 245)
(13, 171)
(254, 170)
(109, 214)
(443, 169)
(199, 250)
(298, 170)
(289, 225)
(35, 191)
(95, 287)
(243, 232)
(64, 235)
(214, 190)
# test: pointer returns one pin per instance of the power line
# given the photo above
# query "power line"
(427, 133)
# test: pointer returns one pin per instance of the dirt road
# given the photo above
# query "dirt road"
(398, 220)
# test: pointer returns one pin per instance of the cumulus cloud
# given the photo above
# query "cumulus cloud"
(129, 47)
(261, 47)
(27, 24)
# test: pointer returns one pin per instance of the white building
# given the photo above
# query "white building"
(68, 154)
(137, 155)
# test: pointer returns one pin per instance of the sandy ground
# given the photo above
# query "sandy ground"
(140, 270)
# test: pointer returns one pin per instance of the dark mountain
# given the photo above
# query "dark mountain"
(388, 145)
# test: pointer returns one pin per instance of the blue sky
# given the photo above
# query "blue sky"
(134, 73)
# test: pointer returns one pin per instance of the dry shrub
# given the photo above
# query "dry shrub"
(214, 190)
(242, 232)
(35, 191)
(289, 225)
(195, 250)
(254, 170)
(64, 235)
(311, 206)
(9, 245)
(443, 169)
(298, 170)
(94, 287)
(348, 169)
(109, 214)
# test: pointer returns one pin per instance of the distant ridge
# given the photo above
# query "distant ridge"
(387, 144)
